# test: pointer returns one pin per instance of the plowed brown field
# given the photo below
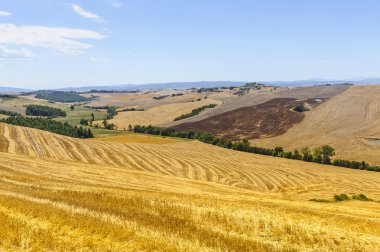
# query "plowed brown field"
(267, 119)
(344, 122)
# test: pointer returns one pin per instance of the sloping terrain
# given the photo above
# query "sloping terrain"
(195, 160)
(139, 138)
(235, 102)
(344, 122)
(56, 205)
(268, 119)
(60, 193)
(159, 114)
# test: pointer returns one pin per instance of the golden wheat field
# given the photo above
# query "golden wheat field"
(139, 138)
(60, 193)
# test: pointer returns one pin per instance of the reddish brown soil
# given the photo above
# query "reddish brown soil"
(267, 119)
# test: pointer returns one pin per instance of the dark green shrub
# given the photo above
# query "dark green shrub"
(300, 108)
(341, 197)
(320, 200)
(361, 197)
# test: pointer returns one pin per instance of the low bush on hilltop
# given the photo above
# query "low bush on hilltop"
(361, 197)
(341, 197)
(300, 108)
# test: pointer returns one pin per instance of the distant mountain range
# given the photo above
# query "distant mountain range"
(179, 85)
(205, 84)
(13, 90)
(318, 81)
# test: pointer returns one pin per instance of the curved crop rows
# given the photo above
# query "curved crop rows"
(195, 160)
(55, 205)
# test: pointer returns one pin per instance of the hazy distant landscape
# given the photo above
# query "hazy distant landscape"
(189, 125)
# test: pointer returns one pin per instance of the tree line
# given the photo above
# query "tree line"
(39, 110)
(132, 109)
(60, 96)
(9, 113)
(111, 112)
(321, 155)
(97, 107)
(49, 125)
(160, 97)
(113, 91)
(8, 96)
(194, 112)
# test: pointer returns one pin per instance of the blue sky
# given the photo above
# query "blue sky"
(51, 43)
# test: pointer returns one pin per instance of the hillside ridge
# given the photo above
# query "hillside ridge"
(194, 160)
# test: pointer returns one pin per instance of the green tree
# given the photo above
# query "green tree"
(278, 151)
(306, 154)
(105, 123)
(317, 155)
(327, 152)
(297, 155)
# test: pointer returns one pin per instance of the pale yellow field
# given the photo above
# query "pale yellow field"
(139, 138)
(158, 115)
(60, 193)
(119, 99)
(344, 122)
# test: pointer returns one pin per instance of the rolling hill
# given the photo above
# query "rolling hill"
(344, 122)
(61, 193)
(192, 159)
(158, 115)
(270, 118)
(230, 103)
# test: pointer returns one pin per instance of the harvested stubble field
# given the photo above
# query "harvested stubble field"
(158, 115)
(139, 138)
(344, 122)
(267, 119)
(230, 103)
(59, 193)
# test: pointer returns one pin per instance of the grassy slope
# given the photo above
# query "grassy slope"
(73, 117)
(344, 121)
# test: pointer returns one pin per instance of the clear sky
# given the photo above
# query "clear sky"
(52, 43)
